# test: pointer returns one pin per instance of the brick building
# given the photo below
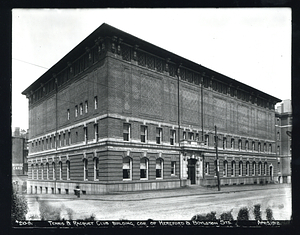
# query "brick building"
(19, 159)
(120, 114)
(283, 126)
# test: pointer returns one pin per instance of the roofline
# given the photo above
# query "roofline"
(108, 30)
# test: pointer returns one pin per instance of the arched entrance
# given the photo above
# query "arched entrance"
(192, 170)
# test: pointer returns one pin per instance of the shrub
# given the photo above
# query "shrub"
(48, 212)
(257, 212)
(19, 207)
(226, 216)
(243, 214)
(209, 216)
(269, 213)
(91, 218)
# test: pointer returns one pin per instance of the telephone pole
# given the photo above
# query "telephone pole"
(217, 159)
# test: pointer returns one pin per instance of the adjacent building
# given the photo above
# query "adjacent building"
(283, 125)
(120, 114)
(19, 159)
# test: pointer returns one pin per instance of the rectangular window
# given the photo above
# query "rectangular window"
(173, 168)
(184, 135)
(85, 135)
(224, 143)
(64, 139)
(81, 109)
(96, 102)
(232, 143)
(207, 168)
(76, 111)
(126, 131)
(69, 137)
(172, 137)
(59, 140)
(158, 135)
(206, 140)
(96, 132)
(144, 133)
(68, 114)
(86, 106)
(191, 136)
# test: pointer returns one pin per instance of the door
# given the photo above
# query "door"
(192, 170)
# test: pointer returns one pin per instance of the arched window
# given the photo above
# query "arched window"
(53, 170)
(32, 171)
(144, 168)
(47, 170)
(265, 168)
(265, 147)
(253, 146)
(127, 166)
(225, 168)
(270, 148)
(85, 169)
(240, 144)
(259, 147)
(253, 168)
(42, 171)
(240, 168)
(68, 170)
(247, 168)
(37, 171)
(259, 168)
(246, 145)
(96, 168)
(159, 168)
(232, 143)
(233, 168)
(60, 170)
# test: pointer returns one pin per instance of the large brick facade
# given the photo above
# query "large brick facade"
(120, 114)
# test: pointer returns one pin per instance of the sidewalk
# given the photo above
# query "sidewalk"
(163, 193)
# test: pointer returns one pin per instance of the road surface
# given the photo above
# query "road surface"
(172, 208)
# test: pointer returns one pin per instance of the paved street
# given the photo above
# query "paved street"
(175, 204)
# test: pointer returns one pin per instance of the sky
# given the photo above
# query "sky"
(251, 45)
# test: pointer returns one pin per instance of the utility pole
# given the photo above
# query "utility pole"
(217, 159)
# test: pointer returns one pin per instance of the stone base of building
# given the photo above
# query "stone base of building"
(68, 187)
(237, 181)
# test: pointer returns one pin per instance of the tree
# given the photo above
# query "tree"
(19, 207)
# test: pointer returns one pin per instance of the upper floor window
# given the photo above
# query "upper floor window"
(96, 102)
(86, 106)
(85, 134)
(184, 135)
(246, 145)
(265, 147)
(259, 147)
(259, 168)
(172, 137)
(253, 146)
(278, 149)
(224, 143)
(278, 135)
(270, 148)
(206, 140)
(144, 134)
(60, 170)
(253, 168)
(96, 132)
(158, 135)
(76, 111)
(191, 136)
(126, 131)
(265, 168)
(53, 170)
(232, 143)
(96, 168)
(240, 144)
(68, 114)
(81, 109)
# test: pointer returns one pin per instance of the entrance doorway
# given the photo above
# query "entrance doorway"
(192, 170)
